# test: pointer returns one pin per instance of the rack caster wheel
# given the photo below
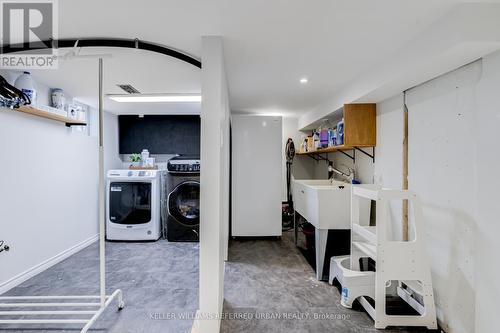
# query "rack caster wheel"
(121, 305)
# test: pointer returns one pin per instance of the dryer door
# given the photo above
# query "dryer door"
(184, 203)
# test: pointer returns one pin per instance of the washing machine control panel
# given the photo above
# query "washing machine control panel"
(183, 166)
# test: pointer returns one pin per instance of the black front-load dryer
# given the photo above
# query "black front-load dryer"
(183, 201)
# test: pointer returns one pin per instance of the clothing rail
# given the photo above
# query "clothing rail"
(50, 301)
(117, 295)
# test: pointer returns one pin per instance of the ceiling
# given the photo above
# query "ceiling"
(269, 45)
(146, 71)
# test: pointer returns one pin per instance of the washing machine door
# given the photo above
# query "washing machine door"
(130, 202)
(184, 203)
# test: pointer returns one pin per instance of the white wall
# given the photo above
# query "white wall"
(48, 197)
(214, 178)
(388, 168)
(453, 160)
(442, 171)
(487, 228)
(389, 150)
(302, 167)
(112, 158)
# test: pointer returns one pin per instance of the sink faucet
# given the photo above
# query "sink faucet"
(352, 174)
(349, 176)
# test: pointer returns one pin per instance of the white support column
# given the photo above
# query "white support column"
(214, 183)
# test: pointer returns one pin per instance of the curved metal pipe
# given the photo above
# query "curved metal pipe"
(105, 42)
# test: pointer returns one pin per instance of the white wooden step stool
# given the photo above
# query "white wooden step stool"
(400, 264)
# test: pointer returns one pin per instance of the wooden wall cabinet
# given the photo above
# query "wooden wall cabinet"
(360, 125)
(360, 129)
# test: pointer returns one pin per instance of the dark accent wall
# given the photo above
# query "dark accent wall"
(160, 134)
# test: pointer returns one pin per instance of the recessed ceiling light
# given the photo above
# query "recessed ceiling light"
(304, 80)
(156, 98)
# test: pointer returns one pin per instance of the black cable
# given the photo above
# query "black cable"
(287, 218)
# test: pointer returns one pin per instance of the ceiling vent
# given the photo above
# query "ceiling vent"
(128, 88)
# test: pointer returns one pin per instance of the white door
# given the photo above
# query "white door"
(256, 175)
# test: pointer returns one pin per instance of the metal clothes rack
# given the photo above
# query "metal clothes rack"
(92, 306)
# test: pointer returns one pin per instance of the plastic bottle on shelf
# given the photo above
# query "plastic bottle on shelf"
(340, 132)
(58, 98)
(303, 146)
(316, 140)
(310, 143)
(144, 156)
(330, 137)
(323, 133)
(26, 84)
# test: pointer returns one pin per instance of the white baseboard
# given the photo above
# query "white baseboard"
(196, 328)
(17, 280)
(196, 323)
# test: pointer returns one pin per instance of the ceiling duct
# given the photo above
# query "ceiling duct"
(128, 88)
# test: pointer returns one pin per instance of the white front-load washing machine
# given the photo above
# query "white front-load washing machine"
(133, 205)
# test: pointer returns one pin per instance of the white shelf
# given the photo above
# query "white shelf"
(50, 115)
(367, 248)
(369, 233)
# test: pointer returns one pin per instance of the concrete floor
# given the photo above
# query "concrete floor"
(269, 277)
(156, 278)
(263, 278)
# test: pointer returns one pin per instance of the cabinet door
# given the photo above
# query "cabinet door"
(360, 124)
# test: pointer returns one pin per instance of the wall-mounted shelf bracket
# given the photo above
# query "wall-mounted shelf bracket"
(319, 157)
(352, 157)
(372, 155)
(75, 124)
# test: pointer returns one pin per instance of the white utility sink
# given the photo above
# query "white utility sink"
(324, 204)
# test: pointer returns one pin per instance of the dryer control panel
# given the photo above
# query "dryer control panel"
(133, 174)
